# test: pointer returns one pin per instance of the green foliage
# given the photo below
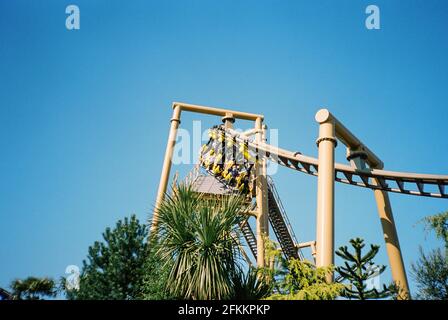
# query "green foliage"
(299, 280)
(198, 237)
(439, 224)
(33, 288)
(114, 268)
(306, 282)
(155, 276)
(431, 274)
(431, 270)
(358, 269)
(255, 284)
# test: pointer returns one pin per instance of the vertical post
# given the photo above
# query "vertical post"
(358, 160)
(228, 120)
(262, 200)
(325, 190)
(265, 177)
(175, 120)
(392, 243)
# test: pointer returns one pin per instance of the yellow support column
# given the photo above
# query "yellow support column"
(265, 176)
(358, 159)
(325, 191)
(262, 200)
(392, 243)
(175, 120)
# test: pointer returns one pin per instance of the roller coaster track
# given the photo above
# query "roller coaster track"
(249, 235)
(399, 182)
(280, 224)
(367, 178)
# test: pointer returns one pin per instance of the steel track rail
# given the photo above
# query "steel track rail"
(426, 185)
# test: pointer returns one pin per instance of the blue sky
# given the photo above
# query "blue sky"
(84, 114)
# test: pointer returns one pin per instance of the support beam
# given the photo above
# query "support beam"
(265, 182)
(249, 132)
(217, 111)
(178, 107)
(311, 244)
(392, 243)
(325, 192)
(175, 120)
(389, 231)
(358, 154)
(261, 198)
(228, 120)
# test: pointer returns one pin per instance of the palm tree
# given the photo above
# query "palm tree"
(33, 288)
(254, 284)
(198, 236)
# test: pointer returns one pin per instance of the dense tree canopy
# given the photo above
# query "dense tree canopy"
(296, 279)
(431, 270)
(33, 288)
(115, 267)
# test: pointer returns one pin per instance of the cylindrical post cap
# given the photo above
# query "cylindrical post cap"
(228, 117)
(323, 115)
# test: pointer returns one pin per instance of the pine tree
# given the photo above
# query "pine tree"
(33, 288)
(431, 270)
(114, 268)
(439, 224)
(357, 269)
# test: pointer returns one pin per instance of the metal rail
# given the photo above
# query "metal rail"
(288, 241)
(249, 235)
(392, 181)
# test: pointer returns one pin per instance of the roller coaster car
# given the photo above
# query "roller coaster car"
(238, 161)
(217, 169)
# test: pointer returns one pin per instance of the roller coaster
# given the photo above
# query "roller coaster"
(235, 162)
(230, 160)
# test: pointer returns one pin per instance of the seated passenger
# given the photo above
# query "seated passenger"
(240, 178)
(218, 158)
(217, 169)
(247, 155)
(229, 141)
(244, 185)
(217, 165)
(221, 136)
(227, 166)
(234, 173)
(211, 162)
(244, 149)
(202, 153)
(209, 159)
